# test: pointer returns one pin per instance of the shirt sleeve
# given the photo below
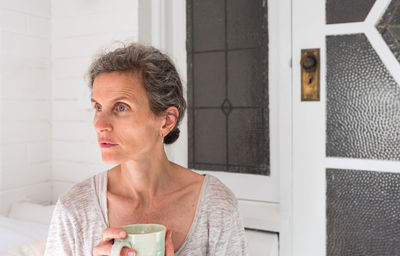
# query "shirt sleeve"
(63, 237)
(231, 239)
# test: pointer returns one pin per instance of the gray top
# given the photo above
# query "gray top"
(80, 217)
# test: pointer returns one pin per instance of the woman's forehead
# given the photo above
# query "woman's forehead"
(108, 86)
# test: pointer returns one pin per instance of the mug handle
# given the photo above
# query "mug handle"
(117, 247)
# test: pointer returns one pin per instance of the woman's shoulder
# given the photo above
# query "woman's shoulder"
(79, 195)
(218, 197)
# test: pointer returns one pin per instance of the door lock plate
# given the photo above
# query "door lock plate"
(310, 66)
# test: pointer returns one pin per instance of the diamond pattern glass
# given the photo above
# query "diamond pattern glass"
(228, 113)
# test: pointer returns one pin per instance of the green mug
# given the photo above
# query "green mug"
(145, 239)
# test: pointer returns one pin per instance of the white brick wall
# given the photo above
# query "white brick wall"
(25, 101)
(46, 46)
(80, 29)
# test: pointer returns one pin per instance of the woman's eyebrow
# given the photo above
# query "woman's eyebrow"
(123, 98)
(116, 99)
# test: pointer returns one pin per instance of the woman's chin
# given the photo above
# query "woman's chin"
(110, 159)
(110, 162)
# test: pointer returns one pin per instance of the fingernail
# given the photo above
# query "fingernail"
(170, 234)
(122, 234)
(131, 253)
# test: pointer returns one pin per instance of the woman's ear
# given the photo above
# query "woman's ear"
(171, 116)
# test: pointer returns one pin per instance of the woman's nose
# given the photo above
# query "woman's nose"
(102, 123)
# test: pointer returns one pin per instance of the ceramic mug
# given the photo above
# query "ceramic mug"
(145, 239)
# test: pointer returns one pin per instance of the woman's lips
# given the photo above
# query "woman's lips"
(106, 144)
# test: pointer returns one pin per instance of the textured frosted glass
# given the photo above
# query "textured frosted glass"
(362, 213)
(363, 102)
(343, 11)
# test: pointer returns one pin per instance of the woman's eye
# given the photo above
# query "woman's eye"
(97, 107)
(121, 107)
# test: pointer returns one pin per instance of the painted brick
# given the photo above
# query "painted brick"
(25, 78)
(25, 132)
(13, 65)
(14, 155)
(76, 172)
(88, 45)
(21, 87)
(74, 131)
(68, 88)
(39, 26)
(76, 152)
(27, 175)
(13, 21)
(36, 193)
(39, 153)
(25, 45)
(58, 188)
(37, 7)
(70, 68)
(75, 8)
(94, 24)
(26, 110)
(68, 110)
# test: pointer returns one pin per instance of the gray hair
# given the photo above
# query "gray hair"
(157, 71)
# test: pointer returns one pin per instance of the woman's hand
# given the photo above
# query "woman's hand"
(169, 245)
(104, 247)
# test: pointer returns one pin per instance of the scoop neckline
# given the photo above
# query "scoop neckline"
(192, 226)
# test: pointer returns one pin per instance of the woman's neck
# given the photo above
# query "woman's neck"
(144, 179)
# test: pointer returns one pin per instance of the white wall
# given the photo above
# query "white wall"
(79, 30)
(47, 139)
(25, 101)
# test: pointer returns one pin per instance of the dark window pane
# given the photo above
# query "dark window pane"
(362, 213)
(247, 143)
(363, 101)
(228, 85)
(209, 76)
(247, 78)
(210, 136)
(208, 25)
(343, 11)
(247, 24)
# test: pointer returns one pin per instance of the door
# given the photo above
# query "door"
(259, 193)
(346, 154)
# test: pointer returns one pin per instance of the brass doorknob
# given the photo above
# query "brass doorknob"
(310, 65)
(308, 62)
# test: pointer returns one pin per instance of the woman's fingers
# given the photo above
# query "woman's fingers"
(169, 245)
(112, 233)
(128, 252)
(102, 249)
(105, 249)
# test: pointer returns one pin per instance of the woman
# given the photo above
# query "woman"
(138, 101)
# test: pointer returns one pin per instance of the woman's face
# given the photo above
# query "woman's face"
(126, 127)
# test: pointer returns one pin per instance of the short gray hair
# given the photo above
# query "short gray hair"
(157, 71)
